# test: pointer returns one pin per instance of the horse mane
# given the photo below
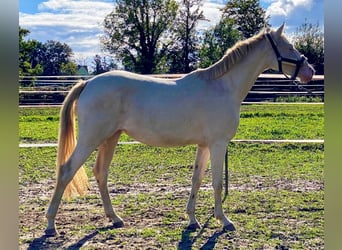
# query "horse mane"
(232, 56)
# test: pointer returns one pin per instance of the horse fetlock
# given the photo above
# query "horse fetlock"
(229, 227)
(227, 224)
(223, 219)
(50, 232)
(115, 219)
(193, 226)
(220, 216)
(118, 224)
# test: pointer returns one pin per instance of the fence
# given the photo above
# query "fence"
(51, 90)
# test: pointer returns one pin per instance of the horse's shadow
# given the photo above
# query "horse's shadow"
(44, 242)
(187, 240)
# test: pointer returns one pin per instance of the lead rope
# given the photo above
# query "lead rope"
(300, 87)
(296, 83)
(226, 176)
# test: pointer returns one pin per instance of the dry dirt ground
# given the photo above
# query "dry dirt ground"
(81, 223)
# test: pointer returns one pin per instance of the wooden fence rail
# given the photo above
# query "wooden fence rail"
(53, 89)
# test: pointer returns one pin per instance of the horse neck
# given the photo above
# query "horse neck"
(241, 78)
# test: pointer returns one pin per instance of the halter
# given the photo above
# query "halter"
(281, 59)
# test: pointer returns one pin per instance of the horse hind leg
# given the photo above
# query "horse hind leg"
(100, 170)
(67, 172)
(202, 157)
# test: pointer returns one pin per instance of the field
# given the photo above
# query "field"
(276, 191)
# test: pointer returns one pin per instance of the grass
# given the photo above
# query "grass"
(276, 191)
(294, 98)
(257, 122)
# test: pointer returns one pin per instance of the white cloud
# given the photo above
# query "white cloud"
(76, 6)
(287, 7)
(212, 12)
(78, 23)
(75, 22)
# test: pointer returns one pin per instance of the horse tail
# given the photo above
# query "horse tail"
(67, 143)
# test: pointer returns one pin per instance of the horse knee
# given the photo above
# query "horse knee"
(217, 186)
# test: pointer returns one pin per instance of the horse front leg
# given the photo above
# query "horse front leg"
(217, 154)
(202, 157)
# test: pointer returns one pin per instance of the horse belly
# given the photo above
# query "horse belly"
(179, 119)
(164, 136)
(164, 127)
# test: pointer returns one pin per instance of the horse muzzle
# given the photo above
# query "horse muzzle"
(306, 73)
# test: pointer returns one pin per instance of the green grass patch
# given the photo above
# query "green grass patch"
(276, 191)
(275, 121)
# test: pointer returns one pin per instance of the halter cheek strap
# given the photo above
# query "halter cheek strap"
(282, 59)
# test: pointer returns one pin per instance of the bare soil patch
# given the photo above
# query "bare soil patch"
(81, 223)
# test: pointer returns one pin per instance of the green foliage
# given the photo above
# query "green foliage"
(182, 56)
(309, 40)
(134, 29)
(247, 15)
(102, 64)
(299, 99)
(50, 58)
(240, 19)
(68, 68)
(27, 52)
(54, 55)
(216, 41)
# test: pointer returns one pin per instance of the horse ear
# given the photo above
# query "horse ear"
(280, 30)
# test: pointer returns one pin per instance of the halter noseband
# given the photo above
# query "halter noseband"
(282, 59)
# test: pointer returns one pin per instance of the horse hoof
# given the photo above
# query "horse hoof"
(118, 224)
(193, 227)
(229, 227)
(51, 232)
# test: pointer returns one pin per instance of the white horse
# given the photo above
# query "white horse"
(202, 108)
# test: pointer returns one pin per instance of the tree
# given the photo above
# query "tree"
(69, 68)
(54, 54)
(216, 41)
(183, 53)
(309, 40)
(27, 55)
(249, 17)
(134, 29)
(50, 58)
(102, 65)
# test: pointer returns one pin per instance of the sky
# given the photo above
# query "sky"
(78, 23)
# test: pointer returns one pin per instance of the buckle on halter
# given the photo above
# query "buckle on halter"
(281, 59)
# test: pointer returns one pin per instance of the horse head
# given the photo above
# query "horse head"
(287, 58)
